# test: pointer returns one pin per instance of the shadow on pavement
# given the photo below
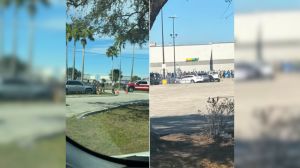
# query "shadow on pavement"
(181, 141)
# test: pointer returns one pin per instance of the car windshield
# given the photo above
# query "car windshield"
(118, 132)
(15, 81)
(113, 124)
(109, 115)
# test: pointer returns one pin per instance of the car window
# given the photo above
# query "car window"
(78, 83)
(71, 83)
(74, 83)
(14, 81)
(143, 82)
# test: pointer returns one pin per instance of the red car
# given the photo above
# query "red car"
(138, 85)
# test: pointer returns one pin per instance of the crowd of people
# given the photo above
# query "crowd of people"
(222, 73)
(155, 78)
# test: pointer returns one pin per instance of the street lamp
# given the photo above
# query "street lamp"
(163, 44)
(173, 35)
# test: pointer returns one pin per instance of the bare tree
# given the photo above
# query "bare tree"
(220, 111)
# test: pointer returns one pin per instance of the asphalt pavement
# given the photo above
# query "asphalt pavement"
(81, 104)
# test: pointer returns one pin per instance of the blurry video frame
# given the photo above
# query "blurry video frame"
(31, 75)
(266, 84)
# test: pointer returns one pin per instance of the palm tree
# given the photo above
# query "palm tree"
(3, 5)
(18, 5)
(75, 36)
(112, 52)
(132, 63)
(85, 34)
(120, 43)
(68, 39)
(32, 9)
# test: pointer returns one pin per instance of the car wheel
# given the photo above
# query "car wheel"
(131, 89)
(88, 91)
(192, 81)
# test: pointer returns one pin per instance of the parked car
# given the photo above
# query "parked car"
(251, 71)
(205, 77)
(73, 86)
(21, 88)
(190, 79)
(142, 85)
(214, 77)
(155, 79)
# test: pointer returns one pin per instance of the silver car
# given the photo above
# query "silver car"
(73, 86)
(190, 79)
(21, 88)
(204, 76)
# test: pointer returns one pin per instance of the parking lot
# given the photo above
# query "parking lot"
(178, 129)
(186, 99)
(25, 122)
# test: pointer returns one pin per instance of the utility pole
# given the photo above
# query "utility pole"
(132, 63)
(173, 35)
(163, 44)
(120, 71)
(259, 45)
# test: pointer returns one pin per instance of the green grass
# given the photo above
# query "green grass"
(45, 153)
(115, 132)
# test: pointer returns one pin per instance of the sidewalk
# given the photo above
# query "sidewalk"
(80, 104)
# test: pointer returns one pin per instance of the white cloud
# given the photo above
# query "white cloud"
(54, 24)
(58, 2)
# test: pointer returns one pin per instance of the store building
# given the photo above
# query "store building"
(192, 57)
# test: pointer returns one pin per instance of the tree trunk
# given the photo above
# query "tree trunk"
(132, 64)
(31, 43)
(67, 53)
(112, 70)
(120, 71)
(82, 67)
(74, 54)
(15, 40)
(155, 6)
(1, 31)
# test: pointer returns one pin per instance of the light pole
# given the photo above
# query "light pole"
(259, 45)
(120, 71)
(163, 44)
(132, 64)
(211, 63)
(173, 35)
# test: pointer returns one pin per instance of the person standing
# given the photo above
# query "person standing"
(113, 87)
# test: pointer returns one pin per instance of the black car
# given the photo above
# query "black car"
(155, 79)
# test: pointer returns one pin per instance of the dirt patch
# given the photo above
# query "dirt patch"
(194, 138)
(191, 150)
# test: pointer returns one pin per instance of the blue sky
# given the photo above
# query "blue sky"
(198, 22)
(258, 5)
(96, 62)
(50, 48)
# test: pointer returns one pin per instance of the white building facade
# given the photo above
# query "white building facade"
(277, 31)
(192, 57)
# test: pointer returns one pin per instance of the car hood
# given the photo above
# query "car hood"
(139, 154)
